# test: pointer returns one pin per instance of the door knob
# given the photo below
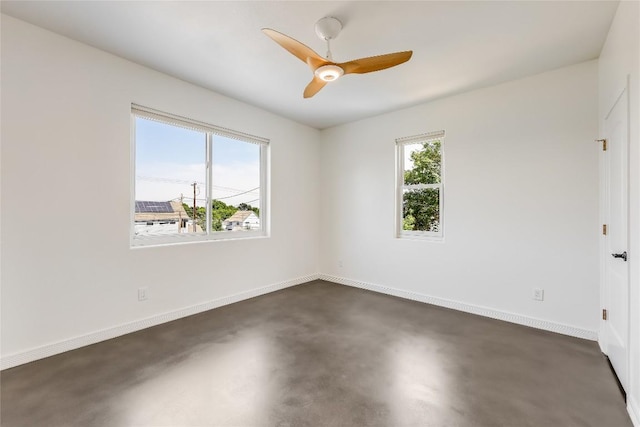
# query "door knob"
(623, 255)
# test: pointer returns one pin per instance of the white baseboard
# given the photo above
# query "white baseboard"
(602, 339)
(21, 358)
(469, 308)
(634, 411)
(16, 359)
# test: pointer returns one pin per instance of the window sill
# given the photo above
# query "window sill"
(423, 236)
(155, 241)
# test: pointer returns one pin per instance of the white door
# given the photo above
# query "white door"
(616, 246)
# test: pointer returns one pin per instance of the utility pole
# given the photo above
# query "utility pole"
(195, 184)
(180, 213)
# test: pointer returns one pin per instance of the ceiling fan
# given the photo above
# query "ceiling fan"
(325, 70)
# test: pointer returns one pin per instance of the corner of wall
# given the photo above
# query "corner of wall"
(634, 411)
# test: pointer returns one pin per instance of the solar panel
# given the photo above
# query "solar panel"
(143, 206)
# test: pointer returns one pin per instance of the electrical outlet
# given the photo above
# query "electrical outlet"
(340, 264)
(538, 294)
(143, 294)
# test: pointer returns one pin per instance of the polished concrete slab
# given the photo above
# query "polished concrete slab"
(321, 354)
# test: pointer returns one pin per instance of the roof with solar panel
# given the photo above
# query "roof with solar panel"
(159, 211)
(143, 206)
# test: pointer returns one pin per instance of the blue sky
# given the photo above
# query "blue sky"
(170, 158)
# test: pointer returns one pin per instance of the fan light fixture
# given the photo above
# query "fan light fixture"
(329, 73)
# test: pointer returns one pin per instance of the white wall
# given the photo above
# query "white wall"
(521, 201)
(66, 160)
(619, 59)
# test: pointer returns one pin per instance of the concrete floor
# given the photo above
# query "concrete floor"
(321, 354)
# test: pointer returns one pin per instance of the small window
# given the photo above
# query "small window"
(420, 185)
(191, 180)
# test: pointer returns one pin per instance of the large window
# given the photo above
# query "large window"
(194, 181)
(420, 185)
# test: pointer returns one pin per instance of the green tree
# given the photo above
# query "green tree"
(201, 215)
(219, 212)
(421, 207)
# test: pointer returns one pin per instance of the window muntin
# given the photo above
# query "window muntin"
(420, 185)
(194, 181)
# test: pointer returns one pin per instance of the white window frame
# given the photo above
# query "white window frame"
(401, 186)
(210, 131)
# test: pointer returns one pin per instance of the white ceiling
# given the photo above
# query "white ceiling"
(458, 46)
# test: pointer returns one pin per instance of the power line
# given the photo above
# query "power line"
(239, 194)
(180, 198)
(190, 183)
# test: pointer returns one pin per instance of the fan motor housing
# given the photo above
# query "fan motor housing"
(328, 28)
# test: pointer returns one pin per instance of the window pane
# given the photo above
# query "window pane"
(422, 163)
(236, 185)
(169, 160)
(421, 209)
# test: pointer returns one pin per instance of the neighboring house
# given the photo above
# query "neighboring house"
(241, 220)
(159, 218)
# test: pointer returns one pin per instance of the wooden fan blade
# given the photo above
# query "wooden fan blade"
(300, 50)
(314, 87)
(375, 63)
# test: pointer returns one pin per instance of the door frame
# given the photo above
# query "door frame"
(604, 168)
